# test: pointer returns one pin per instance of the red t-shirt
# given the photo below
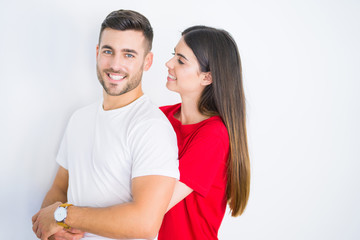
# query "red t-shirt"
(203, 154)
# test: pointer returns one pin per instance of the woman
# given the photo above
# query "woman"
(211, 130)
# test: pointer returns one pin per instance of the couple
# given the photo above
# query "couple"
(120, 158)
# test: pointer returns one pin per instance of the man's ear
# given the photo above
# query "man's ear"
(97, 51)
(148, 61)
(207, 79)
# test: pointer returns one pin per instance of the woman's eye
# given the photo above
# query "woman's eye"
(179, 61)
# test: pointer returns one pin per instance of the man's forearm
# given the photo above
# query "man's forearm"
(120, 221)
(54, 195)
(58, 190)
(140, 218)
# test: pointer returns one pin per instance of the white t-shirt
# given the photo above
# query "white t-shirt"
(104, 150)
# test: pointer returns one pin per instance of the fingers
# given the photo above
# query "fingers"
(78, 236)
(35, 227)
(44, 236)
(74, 230)
(38, 233)
(60, 235)
(67, 235)
(35, 217)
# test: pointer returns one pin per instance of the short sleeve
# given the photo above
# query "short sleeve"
(61, 157)
(204, 157)
(154, 149)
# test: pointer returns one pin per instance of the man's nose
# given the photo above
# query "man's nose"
(117, 63)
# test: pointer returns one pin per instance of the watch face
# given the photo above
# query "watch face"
(60, 214)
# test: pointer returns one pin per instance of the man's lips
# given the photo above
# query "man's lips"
(116, 77)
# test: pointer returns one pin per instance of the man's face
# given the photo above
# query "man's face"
(121, 59)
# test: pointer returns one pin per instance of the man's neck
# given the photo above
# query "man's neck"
(114, 102)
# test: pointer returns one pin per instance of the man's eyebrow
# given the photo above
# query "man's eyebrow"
(179, 54)
(127, 50)
(106, 46)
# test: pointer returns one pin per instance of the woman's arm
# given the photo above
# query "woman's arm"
(181, 191)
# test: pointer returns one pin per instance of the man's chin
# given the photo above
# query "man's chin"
(113, 92)
(111, 89)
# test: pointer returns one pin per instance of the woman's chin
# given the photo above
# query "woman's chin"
(171, 86)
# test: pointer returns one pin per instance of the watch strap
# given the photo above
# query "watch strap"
(65, 205)
(62, 223)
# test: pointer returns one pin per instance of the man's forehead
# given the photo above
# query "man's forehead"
(134, 36)
(127, 39)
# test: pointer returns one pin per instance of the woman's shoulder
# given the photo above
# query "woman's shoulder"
(214, 122)
(213, 127)
(170, 108)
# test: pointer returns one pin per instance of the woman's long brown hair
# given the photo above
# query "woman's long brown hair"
(217, 53)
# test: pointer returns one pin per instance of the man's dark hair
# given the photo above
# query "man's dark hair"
(128, 20)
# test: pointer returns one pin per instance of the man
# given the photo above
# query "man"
(118, 158)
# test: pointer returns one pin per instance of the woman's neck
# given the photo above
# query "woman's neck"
(189, 112)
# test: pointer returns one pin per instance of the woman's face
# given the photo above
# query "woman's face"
(185, 76)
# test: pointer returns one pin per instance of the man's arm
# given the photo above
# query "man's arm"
(140, 218)
(58, 191)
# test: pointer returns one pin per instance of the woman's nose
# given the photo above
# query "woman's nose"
(169, 64)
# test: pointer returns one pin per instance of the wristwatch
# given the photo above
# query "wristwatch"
(60, 215)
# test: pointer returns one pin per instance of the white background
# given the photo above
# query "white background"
(301, 63)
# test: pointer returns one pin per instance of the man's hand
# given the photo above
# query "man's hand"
(44, 224)
(67, 234)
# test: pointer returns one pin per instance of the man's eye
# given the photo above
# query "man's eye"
(107, 52)
(128, 55)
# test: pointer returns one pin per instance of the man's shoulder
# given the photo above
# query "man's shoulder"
(147, 111)
(148, 117)
(90, 107)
